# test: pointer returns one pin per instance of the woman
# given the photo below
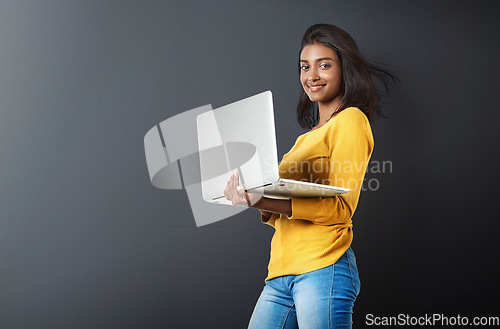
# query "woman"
(313, 279)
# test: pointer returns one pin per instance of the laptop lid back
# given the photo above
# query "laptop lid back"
(240, 135)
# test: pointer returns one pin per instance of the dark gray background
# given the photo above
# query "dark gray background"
(87, 242)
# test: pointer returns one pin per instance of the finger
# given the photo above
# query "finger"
(233, 190)
(230, 181)
(229, 187)
(237, 187)
(242, 195)
(237, 201)
(226, 190)
(241, 192)
(234, 179)
(232, 193)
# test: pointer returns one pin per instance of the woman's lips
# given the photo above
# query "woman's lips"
(315, 87)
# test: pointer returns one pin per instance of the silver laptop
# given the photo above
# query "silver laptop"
(242, 136)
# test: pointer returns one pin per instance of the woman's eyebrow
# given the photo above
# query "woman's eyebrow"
(319, 59)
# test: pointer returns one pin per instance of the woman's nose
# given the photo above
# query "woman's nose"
(313, 75)
(313, 78)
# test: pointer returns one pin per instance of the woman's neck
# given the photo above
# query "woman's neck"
(326, 110)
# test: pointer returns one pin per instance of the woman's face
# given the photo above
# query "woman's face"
(321, 73)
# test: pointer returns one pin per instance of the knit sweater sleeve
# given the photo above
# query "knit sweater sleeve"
(350, 144)
(271, 220)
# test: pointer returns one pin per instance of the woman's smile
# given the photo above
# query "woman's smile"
(314, 88)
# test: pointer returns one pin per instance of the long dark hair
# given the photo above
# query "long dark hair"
(357, 85)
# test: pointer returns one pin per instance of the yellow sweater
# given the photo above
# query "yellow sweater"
(320, 229)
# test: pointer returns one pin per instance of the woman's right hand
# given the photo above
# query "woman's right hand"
(237, 195)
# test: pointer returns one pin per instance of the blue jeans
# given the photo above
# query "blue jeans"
(319, 299)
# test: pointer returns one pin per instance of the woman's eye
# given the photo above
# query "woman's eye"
(324, 65)
(304, 67)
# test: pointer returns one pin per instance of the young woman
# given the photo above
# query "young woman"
(313, 280)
